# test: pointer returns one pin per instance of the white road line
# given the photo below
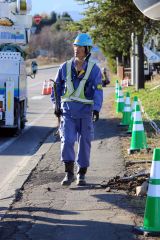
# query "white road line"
(4, 146)
(37, 97)
(28, 126)
(35, 84)
(15, 179)
(7, 181)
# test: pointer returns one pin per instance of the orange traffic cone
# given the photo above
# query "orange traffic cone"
(44, 89)
(49, 87)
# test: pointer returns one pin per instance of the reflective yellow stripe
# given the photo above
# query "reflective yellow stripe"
(9, 100)
(99, 86)
(82, 100)
(78, 94)
(81, 72)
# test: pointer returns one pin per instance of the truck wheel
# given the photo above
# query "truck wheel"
(23, 120)
(22, 124)
(18, 118)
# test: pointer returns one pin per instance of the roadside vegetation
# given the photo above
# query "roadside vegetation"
(111, 24)
(50, 42)
(149, 99)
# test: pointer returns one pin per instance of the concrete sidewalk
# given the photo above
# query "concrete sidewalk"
(43, 210)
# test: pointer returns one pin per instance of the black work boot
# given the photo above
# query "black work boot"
(69, 177)
(81, 177)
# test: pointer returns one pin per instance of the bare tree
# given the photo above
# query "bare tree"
(58, 44)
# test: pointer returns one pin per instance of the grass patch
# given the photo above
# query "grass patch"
(150, 101)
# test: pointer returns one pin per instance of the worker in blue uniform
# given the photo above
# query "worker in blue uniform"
(80, 96)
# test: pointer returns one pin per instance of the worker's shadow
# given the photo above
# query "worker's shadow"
(107, 128)
(88, 186)
(119, 200)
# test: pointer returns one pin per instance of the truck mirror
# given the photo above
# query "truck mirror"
(150, 8)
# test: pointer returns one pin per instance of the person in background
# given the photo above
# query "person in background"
(79, 92)
(34, 67)
(105, 77)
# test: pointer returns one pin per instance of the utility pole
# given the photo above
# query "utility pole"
(133, 70)
(139, 64)
(136, 63)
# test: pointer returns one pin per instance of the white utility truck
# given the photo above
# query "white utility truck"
(15, 24)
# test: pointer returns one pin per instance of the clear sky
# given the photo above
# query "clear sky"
(59, 6)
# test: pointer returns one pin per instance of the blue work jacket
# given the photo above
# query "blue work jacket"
(93, 90)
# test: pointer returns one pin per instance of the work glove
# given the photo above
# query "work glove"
(58, 112)
(95, 116)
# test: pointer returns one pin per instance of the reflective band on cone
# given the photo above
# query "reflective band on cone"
(138, 127)
(155, 170)
(152, 209)
(116, 90)
(154, 190)
(127, 111)
(120, 101)
(44, 88)
(49, 88)
(138, 139)
(133, 109)
(138, 116)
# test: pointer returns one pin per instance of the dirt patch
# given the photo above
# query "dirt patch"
(126, 183)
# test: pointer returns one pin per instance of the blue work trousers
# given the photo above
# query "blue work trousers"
(72, 130)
